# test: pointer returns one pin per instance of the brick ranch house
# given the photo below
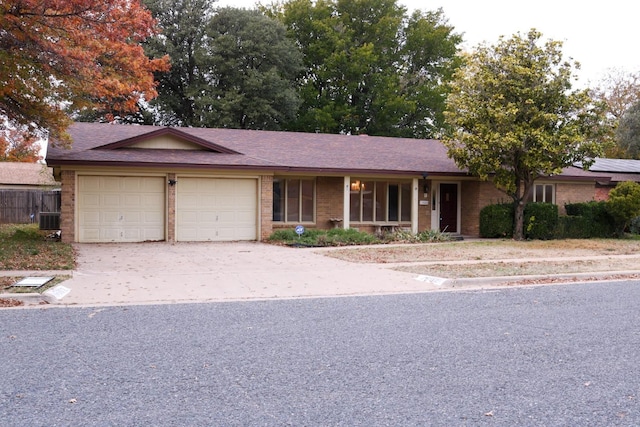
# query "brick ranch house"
(127, 183)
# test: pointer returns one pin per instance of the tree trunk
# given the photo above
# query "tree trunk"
(518, 221)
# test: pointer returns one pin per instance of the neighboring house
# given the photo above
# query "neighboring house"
(614, 172)
(26, 190)
(26, 176)
(131, 183)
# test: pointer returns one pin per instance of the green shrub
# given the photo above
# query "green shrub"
(314, 237)
(634, 227)
(586, 220)
(497, 220)
(540, 220)
(624, 204)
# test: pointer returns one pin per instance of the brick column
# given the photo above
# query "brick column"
(68, 207)
(171, 209)
(266, 206)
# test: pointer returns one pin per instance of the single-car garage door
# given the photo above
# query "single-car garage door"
(121, 208)
(216, 209)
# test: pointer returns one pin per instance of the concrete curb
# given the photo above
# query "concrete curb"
(540, 279)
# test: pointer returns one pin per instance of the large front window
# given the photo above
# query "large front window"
(293, 200)
(379, 201)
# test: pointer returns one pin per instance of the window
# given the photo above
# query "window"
(379, 201)
(543, 193)
(293, 200)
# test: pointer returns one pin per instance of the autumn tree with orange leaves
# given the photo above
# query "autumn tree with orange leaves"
(17, 147)
(63, 56)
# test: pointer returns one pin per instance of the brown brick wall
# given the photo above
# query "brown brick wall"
(68, 208)
(602, 193)
(574, 193)
(266, 206)
(329, 201)
(475, 196)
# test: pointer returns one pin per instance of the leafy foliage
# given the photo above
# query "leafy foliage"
(514, 118)
(619, 91)
(496, 220)
(624, 204)
(232, 68)
(18, 147)
(342, 237)
(369, 67)
(585, 220)
(59, 56)
(628, 132)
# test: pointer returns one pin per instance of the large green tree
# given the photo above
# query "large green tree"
(370, 67)
(514, 117)
(620, 92)
(231, 67)
(628, 132)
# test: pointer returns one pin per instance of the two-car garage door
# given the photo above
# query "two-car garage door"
(134, 209)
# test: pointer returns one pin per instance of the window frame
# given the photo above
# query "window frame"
(534, 196)
(284, 200)
(359, 186)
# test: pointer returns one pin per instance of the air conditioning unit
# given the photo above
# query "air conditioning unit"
(49, 220)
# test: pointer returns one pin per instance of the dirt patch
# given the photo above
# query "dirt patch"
(489, 258)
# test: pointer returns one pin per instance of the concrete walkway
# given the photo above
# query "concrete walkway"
(150, 273)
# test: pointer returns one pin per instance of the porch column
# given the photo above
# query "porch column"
(415, 196)
(346, 200)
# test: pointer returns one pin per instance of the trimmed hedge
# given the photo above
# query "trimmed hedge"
(540, 220)
(586, 220)
(497, 220)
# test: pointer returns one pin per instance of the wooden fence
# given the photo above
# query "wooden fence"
(24, 206)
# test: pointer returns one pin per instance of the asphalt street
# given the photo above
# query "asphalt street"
(563, 355)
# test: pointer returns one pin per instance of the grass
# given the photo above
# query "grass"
(25, 247)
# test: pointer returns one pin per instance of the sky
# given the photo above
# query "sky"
(599, 35)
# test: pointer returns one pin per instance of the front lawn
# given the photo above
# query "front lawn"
(25, 247)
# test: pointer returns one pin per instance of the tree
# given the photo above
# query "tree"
(514, 118)
(624, 204)
(183, 24)
(61, 56)
(18, 147)
(628, 132)
(620, 91)
(232, 67)
(370, 68)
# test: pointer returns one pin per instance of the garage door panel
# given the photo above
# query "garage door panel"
(121, 209)
(216, 209)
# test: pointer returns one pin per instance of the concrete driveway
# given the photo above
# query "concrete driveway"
(141, 273)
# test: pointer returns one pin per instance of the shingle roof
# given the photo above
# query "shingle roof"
(259, 150)
(102, 144)
(34, 174)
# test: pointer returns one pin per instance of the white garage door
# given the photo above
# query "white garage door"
(219, 209)
(121, 209)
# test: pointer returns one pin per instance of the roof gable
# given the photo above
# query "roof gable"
(168, 139)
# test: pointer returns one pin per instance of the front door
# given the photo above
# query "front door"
(449, 208)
